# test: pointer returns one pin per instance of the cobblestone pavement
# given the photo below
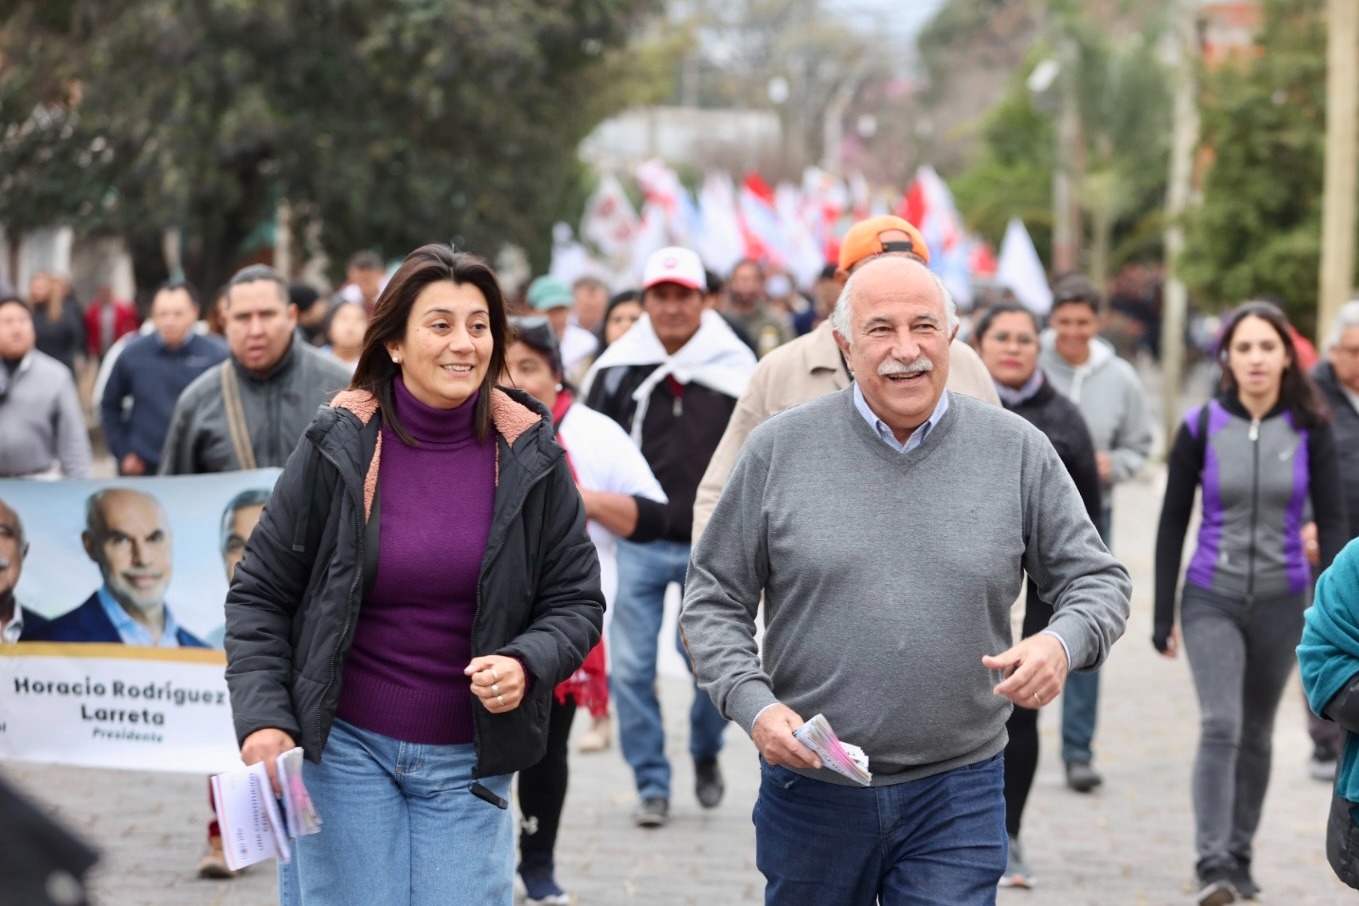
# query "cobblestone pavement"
(1128, 843)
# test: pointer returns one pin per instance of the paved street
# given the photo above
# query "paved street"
(1129, 843)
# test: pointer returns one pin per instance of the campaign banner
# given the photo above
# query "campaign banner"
(117, 589)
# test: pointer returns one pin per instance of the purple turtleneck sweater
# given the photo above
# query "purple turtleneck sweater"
(403, 677)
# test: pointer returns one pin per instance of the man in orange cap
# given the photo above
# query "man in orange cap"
(812, 366)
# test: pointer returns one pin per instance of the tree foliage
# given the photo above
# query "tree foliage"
(1122, 95)
(388, 122)
(1258, 229)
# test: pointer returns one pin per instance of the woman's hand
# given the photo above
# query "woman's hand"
(498, 681)
(266, 745)
(1172, 643)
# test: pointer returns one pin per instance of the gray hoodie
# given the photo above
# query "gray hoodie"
(1111, 397)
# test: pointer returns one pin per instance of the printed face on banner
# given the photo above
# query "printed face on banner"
(240, 522)
(12, 550)
(128, 535)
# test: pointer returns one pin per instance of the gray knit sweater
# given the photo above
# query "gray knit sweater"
(888, 576)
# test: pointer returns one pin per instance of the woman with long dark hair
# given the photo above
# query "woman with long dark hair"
(1260, 452)
(1006, 338)
(418, 584)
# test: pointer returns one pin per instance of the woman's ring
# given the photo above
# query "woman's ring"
(495, 677)
(1038, 698)
(495, 688)
(501, 700)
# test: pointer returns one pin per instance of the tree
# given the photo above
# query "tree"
(388, 122)
(1258, 229)
(1122, 101)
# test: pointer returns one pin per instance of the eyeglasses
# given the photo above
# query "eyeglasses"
(1004, 336)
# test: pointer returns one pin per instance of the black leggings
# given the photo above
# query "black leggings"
(542, 789)
(1021, 753)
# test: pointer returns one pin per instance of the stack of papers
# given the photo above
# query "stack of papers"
(840, 757)
(256, 825)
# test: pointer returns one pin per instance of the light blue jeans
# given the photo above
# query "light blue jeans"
(400, 827)
(644, 573)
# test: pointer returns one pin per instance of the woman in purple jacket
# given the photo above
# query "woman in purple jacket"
(1261, 451)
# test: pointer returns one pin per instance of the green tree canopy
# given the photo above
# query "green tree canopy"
(388, 122)
(1258, 229)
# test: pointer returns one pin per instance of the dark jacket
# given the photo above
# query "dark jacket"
(1345, 426)
(294, 603)
(679, 433)
(277, 408)
(153, 376)
(89, 623)
(64, 338)
(1058, 418)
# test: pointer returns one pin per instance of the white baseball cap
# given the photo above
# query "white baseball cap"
(675, 265)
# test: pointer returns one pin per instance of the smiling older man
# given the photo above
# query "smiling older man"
(888, 527)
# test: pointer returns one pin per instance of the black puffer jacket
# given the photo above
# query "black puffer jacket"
(294, 603)
(1345, 425)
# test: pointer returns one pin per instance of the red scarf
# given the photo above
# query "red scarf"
(589, 685)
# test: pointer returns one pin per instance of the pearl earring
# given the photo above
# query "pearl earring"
(559, 388)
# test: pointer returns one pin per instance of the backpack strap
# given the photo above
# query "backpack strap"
(235, 416)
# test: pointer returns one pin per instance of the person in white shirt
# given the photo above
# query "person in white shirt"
(622, 499)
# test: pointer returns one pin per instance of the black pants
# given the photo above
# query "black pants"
(542, 789)
(1021, 753)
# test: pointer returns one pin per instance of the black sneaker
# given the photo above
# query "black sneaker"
(1239, 876)
(541, 888)
(708, 785)
(1081, 777)
(651, 812)
(1215, 888)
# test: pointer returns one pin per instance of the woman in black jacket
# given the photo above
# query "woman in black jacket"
(418, 584)
(1007, 339)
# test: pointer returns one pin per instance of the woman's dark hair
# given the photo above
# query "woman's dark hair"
(427, 265)
(983, 325)
(537, 334)
(617, 299)
(1297, 393)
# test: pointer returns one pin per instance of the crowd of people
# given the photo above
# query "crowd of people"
(485, 498)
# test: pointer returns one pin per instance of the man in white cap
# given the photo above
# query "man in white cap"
(672, 383)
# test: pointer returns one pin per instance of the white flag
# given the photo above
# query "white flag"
(1020, 269)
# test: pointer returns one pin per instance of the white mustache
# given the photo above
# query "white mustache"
(917, 366)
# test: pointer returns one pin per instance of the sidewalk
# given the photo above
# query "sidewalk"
(1128, 843)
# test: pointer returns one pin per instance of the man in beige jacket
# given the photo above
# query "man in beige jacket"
(811, 365)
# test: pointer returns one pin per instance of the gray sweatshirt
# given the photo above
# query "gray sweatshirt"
(887, 577)
(1111, 398)
(41, 423)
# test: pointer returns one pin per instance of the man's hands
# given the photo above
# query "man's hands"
(1104, 464)
(1035, 670)
(132, 464)
(773, 735)
(266, 745)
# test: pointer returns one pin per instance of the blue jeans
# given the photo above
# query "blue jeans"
(400, 827)
(645, 571)
(936, 841)
(1080, 701)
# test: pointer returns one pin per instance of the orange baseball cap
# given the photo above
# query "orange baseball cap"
(862, 240)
